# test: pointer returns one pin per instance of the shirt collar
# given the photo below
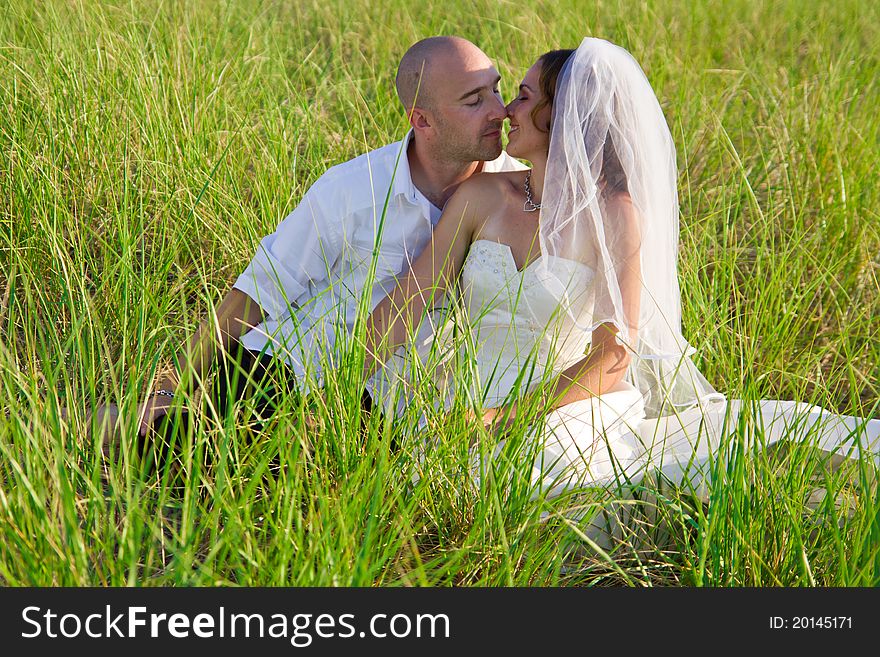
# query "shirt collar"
(403, 183)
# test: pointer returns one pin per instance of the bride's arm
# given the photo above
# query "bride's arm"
(433, 272)
(607, 361)
(600, 370)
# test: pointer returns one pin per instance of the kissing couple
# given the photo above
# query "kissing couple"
(564, 276)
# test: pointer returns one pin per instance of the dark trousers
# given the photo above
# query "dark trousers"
(241, 374)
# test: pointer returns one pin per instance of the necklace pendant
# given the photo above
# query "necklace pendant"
(529, 205)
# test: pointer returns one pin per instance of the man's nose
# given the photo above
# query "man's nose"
(499, 110)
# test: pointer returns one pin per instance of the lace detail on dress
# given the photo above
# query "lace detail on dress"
(488, 257)
(483, 258)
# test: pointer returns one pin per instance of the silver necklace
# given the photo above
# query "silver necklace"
(530, 205)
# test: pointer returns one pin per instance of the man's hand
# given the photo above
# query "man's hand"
(495, 420)
(485, 417)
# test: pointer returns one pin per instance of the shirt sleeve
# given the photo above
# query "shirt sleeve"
(302, 250)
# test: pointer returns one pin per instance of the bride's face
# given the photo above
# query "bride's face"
(528, 138)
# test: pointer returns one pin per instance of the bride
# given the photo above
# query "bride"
(567, 275)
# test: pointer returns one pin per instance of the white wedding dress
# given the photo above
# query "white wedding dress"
(517, 337)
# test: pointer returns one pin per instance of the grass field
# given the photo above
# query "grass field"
(146, 146)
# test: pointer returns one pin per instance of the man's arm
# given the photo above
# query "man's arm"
(234, 317)
(301, 252)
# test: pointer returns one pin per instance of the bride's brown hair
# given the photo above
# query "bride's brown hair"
(612, 176)
(551, 64)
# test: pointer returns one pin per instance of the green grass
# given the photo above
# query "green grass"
(146, 146)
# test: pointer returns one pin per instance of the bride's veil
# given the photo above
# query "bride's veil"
(610, 202)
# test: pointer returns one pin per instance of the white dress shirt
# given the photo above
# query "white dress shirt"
(309, 275)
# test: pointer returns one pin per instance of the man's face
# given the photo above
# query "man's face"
(466, 108)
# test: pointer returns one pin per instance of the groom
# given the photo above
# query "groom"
(302, 288)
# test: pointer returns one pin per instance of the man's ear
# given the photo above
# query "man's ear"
(419, 119)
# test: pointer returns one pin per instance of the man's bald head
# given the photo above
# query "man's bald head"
(449, 89)
(420, 65)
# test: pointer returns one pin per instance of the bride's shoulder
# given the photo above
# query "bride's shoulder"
(488, 188)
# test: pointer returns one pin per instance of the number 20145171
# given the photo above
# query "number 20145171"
(811, 623)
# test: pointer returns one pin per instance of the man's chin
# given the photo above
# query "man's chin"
(491, 152)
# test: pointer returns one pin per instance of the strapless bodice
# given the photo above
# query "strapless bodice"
(511, 329)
